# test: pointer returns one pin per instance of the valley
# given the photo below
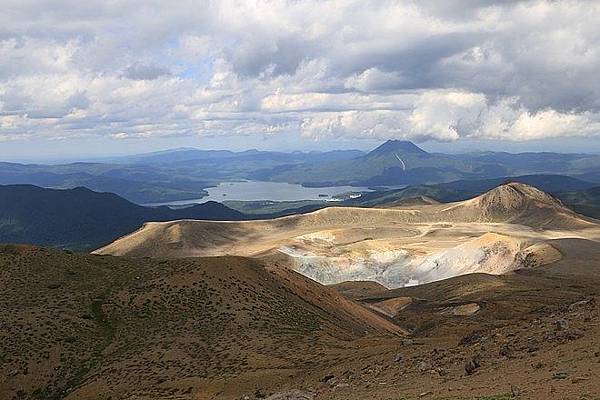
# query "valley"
(300, 200)
(489, 298)
(470, 289)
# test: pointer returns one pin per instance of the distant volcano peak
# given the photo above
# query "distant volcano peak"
(397, 147)
(512, 195)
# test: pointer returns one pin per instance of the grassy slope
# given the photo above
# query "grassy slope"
(87, 327)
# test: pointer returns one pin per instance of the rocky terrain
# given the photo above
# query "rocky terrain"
(99, 327)
(534, 334)
(491, 298)
(502, 230)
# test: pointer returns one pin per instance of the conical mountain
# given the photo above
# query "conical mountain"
(399, 147)
(518, 203)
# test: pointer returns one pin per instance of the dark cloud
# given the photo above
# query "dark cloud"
(145, 72)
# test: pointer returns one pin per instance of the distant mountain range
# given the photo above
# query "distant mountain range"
(398, 162)
(81, 219)
(184, 174)
(191, 155)
(465, 189)
(138, 183)
(577, 194)
(161, 177)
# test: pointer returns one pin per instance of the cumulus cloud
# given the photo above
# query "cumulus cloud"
(373, 79)
(508, 70)
(451, 115)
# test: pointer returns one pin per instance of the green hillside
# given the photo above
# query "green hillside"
(83, 219)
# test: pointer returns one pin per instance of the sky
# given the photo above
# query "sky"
(92, 78)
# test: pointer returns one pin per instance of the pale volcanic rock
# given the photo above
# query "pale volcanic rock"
(497, 232)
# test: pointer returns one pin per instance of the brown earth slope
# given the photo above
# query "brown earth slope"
(500, 231)
(411, 201)
(534, 334)
(512, 203)
(520, 204)
(91, 327)
(100, 327)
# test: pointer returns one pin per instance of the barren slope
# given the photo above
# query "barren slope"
(534, 334)
(512, 203)
(90, 327)
(499, 231)
(86, 327)
(520, 204)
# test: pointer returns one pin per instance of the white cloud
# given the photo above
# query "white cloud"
(525, 125)
(366, 124)
(451, 115)
(374, 79)
(514, 70)
(446, 115)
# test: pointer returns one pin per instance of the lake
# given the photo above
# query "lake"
(274, 191)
